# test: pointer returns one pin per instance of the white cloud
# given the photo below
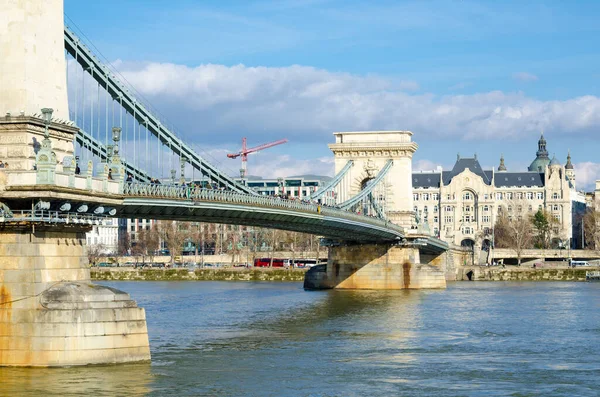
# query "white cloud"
(524, 76)
(425, 165)
(307, 104)
(586, 174)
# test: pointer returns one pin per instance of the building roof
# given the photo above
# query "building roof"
(425, 179)
(506, 179)
(554, 161)
(541, 157)
(463, 163)
(569, 165)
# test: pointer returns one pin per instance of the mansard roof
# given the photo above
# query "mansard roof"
(507, 179)
(425, 179)
(463, 163)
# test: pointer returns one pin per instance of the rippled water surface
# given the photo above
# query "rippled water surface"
(274, 339)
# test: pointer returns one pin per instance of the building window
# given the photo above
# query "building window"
(447, 197)
(448, 219)
(425, 209)
(510, 208)
(486, 219)
(555, 207)
(448, 209)
(519, 196)
(467, 208)
(520, 208)
(486, 208)
(416, 209)
(467, 230)
(540, 207)
(486, 196)
(435, 219)
(467, 196)
(425, 196)
(435, 196)
(529, 195)
(498, 196)
(555, 196)
(556, 217)
(435, 209)
(540, 195)
(415, 196)
(530, 208)
(436, 232)
(509, 196)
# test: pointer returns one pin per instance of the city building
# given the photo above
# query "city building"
(296, 186)
(106, 234)
(461, 205)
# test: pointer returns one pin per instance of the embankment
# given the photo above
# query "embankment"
(481, 273)
(232, 274)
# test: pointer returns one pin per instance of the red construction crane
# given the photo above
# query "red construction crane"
(245, 151)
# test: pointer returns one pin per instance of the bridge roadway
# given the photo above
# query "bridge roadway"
(171, 202)
(219, 206)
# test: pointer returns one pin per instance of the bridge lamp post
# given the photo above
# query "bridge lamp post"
(47, 116)
(116, 137)
(182, 162)
(173, 175)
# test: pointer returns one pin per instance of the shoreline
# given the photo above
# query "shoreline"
(480, 273)
(217, 274)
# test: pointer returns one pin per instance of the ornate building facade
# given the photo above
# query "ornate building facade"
(461, 205)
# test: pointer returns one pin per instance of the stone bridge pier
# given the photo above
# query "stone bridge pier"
(379, 266)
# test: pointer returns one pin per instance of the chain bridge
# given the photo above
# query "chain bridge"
(78, 144)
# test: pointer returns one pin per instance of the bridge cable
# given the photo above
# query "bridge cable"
(367, 190)
(333, 182)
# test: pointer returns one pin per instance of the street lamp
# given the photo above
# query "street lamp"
(173, 175)
(47, 116)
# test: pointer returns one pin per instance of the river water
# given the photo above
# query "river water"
(274, 339)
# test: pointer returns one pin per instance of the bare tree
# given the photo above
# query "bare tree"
(174, 235)
(591, 229)
(515, 233)
(147, 243)
(94, 252)
(124, 244)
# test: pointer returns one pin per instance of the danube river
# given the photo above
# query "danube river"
(274, 339)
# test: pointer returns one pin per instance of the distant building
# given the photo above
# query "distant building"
(296, 186)
(106, 233)
(461, 205)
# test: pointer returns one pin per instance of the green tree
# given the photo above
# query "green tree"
(541, 224)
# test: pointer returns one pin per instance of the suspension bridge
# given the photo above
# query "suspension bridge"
(78, 143)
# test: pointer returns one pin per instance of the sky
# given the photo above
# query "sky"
(466, 77)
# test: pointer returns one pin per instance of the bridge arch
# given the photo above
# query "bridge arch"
(371, 152)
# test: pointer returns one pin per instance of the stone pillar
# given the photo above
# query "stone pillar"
(370, 150)
(376, 266)
(32, 65)
(21, 141)
(50, 312)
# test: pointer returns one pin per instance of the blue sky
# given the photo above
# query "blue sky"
(464, 76)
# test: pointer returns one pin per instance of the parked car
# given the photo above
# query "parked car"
(104, 264)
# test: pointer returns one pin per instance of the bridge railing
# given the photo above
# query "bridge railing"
(199, 194)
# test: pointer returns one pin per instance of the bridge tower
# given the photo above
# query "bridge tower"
(370, 151)
(50, 312)
(33, 58)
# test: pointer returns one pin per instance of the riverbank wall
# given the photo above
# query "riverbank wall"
(482, 273)
(231, 274)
